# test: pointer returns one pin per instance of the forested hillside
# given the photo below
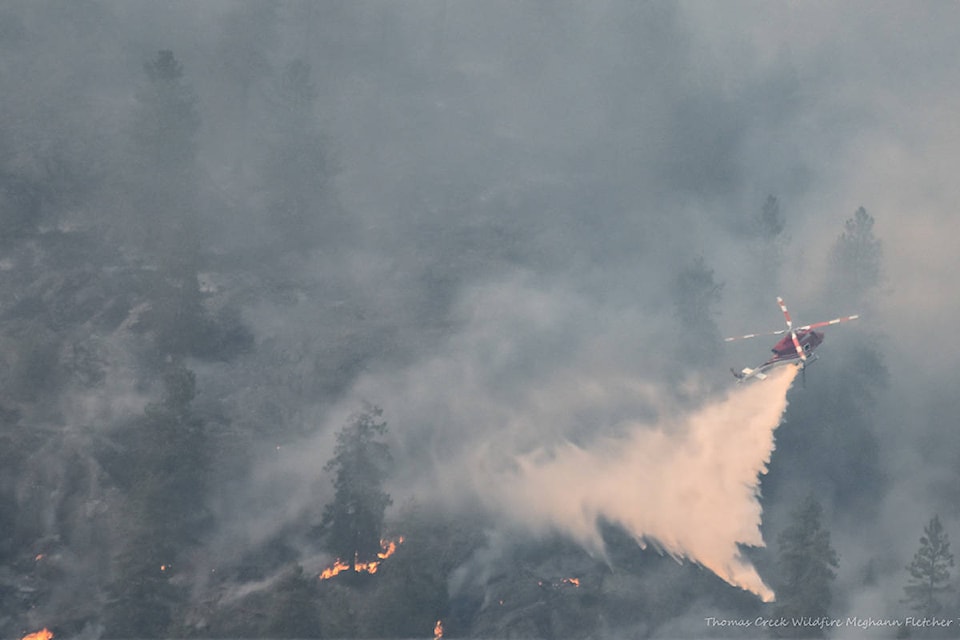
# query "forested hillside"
(309, 312)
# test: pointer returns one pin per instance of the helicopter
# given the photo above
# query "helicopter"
(797, 347)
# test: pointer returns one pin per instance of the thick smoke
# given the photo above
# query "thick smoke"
(687, 484)
(540, 423)
(599, 146)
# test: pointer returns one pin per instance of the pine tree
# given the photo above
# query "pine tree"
(164, 475)
(300, 169)
(248, 36)
(695, 294)
(166, 121)
(930, 570)
(162, 171)
(166, 226)
(770, 223)
(857, 255)
(806, 565)
(354, 520)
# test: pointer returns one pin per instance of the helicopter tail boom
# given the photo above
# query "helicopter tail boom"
(748, 373)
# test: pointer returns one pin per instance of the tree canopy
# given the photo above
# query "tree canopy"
(806, 564)
(930, 570)
(354, 520)
(164, 477)
(696, 294)
(857, 255)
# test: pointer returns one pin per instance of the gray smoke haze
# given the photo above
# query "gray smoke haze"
(511, 446)
(522, 183)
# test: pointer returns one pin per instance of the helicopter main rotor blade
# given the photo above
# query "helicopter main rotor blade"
(793, 334)
(786, 314)
(756, 335)
(790, 328)
(796, 344)
(816, 325)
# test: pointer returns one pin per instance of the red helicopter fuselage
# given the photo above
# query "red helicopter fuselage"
(808, 339)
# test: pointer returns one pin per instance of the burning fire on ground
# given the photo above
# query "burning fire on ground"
(556, 585)
(43, 634)
(438, 630)
(387, 549)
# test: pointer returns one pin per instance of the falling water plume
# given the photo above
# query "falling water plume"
(689, 484)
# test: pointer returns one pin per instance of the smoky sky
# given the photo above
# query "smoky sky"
(525, 181)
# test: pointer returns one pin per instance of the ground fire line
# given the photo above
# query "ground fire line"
(387, 549)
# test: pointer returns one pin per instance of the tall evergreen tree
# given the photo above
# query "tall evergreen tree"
(857, 254)
(248, 36)
(696, 293)
(163, 472)
(354, 520)
(806, 564)
(767, 238)
(770, 223)
(163, 171)
(299, 170)
(167, 229)
(930, 570)
(166, 120)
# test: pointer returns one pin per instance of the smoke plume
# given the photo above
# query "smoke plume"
(688, 485)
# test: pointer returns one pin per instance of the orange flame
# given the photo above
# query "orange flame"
(366, 567)
(438, 630)
(337, 567)
(553, 584)
(43, 634)
(38, 557)
(388, 548)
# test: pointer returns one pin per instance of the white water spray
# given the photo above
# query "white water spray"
(690, 485)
